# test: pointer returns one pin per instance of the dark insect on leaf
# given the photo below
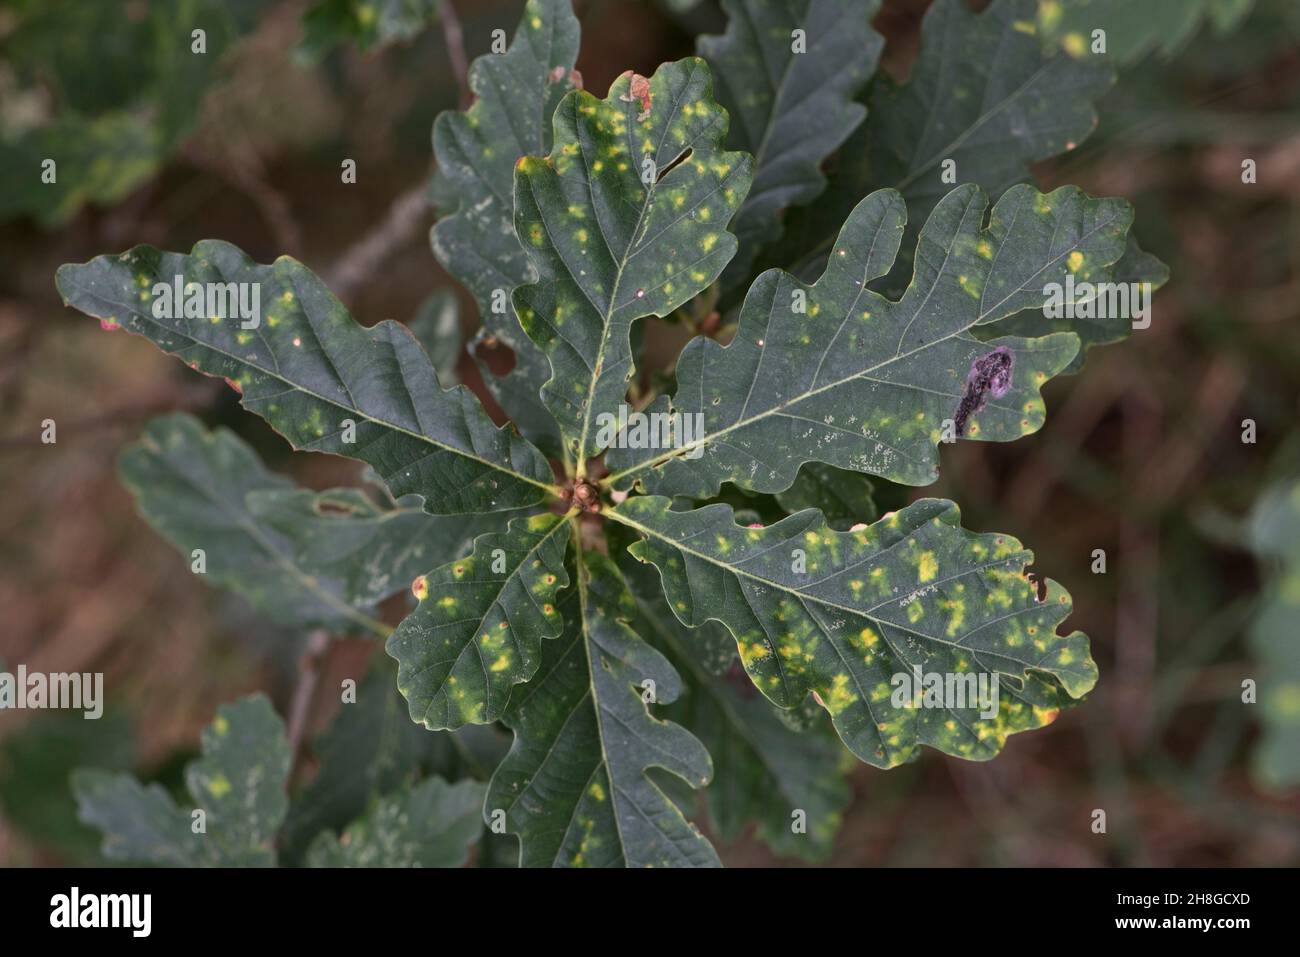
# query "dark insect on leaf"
(990, 375)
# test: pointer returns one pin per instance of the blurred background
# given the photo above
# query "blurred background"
(1142, 455)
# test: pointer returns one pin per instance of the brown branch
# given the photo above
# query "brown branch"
(455, 38)
(364, 258)
(309, 668)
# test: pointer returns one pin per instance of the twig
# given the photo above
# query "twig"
(455, 38)
(308, 677)
(363, 259)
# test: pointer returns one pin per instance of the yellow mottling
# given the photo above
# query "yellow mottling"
(597, 791)
(1024, 26)
(838, 696)
(1074, 261)
(219, 786)
(501, 664)
(927, 567)
(1074, 44)
(221, 726)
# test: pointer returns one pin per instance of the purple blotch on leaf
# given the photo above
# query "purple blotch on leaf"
(990, 375)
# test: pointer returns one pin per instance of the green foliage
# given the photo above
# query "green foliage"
(637, 645)
(238, 785)
(370, 24)
(1135, 29)
(128, 89)
(1275, 536)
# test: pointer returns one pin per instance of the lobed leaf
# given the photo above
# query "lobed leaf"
(308, 368)
(764, 770)
(834, 372)
(302, 558)
(479, 627)
(1134, 30)
(983, 94)
(574, 785)
(1116, 325)
(626, 218)
(371, 750)
(432, 824)
(238, 783)
(476, 150)
(790, 109)
(842, 613)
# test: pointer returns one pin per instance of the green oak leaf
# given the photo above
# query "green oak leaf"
(432, 824)
(302, 558)
(477, 150)
(842, 613)
(480, 624)
(764, 771)
(790, 107)
(833, 372)
(1116, 325)
(1275, 535)
(982, 94)
(574, 785)
(371, 750)
(1134, 29)
(626, 218)
(238, 783)
(309, 369)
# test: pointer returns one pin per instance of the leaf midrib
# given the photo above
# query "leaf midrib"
(979, 319)
(295, 387)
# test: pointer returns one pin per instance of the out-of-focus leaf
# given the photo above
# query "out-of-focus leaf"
(432, 824)
(309, 369)
(480, 624)
(625, 219)
(238, 784)
(477, 151)
(1275, 533)
(437, 326)
(574, 785)
(307, 559)
(370, 24)
(128, 88)
(844, 497)
(790, 98)
(982, 94)
(372, 749)
(34, 769)
(835, 373)
(842, 614)
(1134, 29)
